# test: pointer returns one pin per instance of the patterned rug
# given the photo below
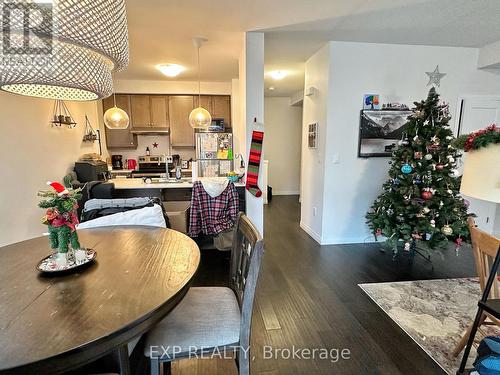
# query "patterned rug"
(434, 313)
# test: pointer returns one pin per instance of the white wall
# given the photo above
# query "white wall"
(397, 73)
(32, 152)
(251, 99)
(283, 144)
(317, 72)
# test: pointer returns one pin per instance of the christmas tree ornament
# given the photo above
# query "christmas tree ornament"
(449, 138)
(428, 156)
(378, 232)
(433, 167)
(449, 191)
(433, 223)
(417, 155)
(435, 77)
(454, 173)
(407, 246)
(426, 195)
(406, 168)
(441, 204)
(446, 230)
(439, 167)
(390, 211)
(426, 122)
(426, 210)
(428, 236)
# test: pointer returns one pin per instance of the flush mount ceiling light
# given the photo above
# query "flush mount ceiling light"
(199, 118)
(278, 74)
(78, 44)
(171, 70)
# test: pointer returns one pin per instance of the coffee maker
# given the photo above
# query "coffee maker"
(117, 161)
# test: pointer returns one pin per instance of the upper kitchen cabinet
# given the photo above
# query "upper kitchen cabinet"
(119, 138)
(149, 113)
(221, 108)
(181, 133)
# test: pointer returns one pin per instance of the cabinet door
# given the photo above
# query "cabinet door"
(206, 102)
(222, 108)
(119, 138)
(141, 111)
(159, 111)
(181, 133)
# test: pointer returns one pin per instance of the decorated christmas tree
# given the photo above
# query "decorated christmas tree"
(421, 200)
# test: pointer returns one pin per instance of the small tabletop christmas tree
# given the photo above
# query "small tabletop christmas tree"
(60, 216)
(421, 199)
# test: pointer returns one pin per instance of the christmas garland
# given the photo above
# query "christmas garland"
(478, 139)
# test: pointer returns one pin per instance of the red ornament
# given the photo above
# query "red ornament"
(426, 195)
(439, 167)
(458, 241)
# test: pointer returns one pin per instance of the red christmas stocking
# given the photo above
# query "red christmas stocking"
(254, 163)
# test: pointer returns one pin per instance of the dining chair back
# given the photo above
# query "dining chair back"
(484, 248)
(246, 259)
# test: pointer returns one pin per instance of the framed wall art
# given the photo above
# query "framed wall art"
(380, 131)
(312, 136)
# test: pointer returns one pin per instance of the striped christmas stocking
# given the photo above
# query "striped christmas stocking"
(254, 163)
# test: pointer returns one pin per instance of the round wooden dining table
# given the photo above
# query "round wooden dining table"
(49, 325)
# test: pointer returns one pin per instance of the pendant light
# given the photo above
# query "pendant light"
(116, 118)
(79, 44)
(199, 118)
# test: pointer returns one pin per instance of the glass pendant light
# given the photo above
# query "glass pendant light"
(116, 118)
(199, 118)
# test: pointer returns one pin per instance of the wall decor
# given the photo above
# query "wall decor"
(61, 115)
(312, 135)
(380, 131)
(371, 101)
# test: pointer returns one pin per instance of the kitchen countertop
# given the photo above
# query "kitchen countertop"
(138, 183)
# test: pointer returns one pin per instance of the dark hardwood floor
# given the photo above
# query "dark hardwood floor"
(308, 297)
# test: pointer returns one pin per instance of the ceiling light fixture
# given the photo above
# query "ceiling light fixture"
(78, 46)
(116, 118)
(171, 70)
(278, 74)
(199, 118)
(271, 88)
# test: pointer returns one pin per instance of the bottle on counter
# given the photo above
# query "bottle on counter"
(148, 153)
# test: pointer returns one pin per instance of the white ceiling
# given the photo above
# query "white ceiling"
(160, 31)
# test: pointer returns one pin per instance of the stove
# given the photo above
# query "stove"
(156, 166)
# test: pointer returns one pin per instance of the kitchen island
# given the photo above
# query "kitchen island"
(166, 191)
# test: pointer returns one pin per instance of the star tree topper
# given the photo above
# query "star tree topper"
(435, 77)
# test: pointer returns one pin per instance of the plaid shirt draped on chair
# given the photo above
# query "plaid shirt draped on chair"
(212, 216)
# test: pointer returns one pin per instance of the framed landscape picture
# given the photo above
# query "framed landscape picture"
(380, 131)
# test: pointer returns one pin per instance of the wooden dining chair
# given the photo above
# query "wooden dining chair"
(484, 248)
(213, 319)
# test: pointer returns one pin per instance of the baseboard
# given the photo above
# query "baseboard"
(286, 192)
(347, 240)
(315, 236)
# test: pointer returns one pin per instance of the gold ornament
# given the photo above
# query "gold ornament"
(446, 230)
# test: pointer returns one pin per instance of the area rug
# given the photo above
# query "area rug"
(434, 313)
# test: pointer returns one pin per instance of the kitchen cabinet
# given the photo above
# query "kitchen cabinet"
(119, 138)
(181, 133)
(221, 108)
(149, 112)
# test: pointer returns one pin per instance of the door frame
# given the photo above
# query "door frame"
(460, 109)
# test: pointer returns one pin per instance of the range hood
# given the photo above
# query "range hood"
(150, 131)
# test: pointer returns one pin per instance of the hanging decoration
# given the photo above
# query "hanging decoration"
(89, 134)
(84, 42)
(61, 115)
(199, 117)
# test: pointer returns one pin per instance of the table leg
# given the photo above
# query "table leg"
(123, 359)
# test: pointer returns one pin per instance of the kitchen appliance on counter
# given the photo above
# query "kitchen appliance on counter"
(214, 153)
(91, 170)
(117, 161)
(153, 166)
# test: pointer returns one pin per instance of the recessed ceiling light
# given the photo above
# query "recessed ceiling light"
(271, 88)
(278, 74)
(171, 70)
